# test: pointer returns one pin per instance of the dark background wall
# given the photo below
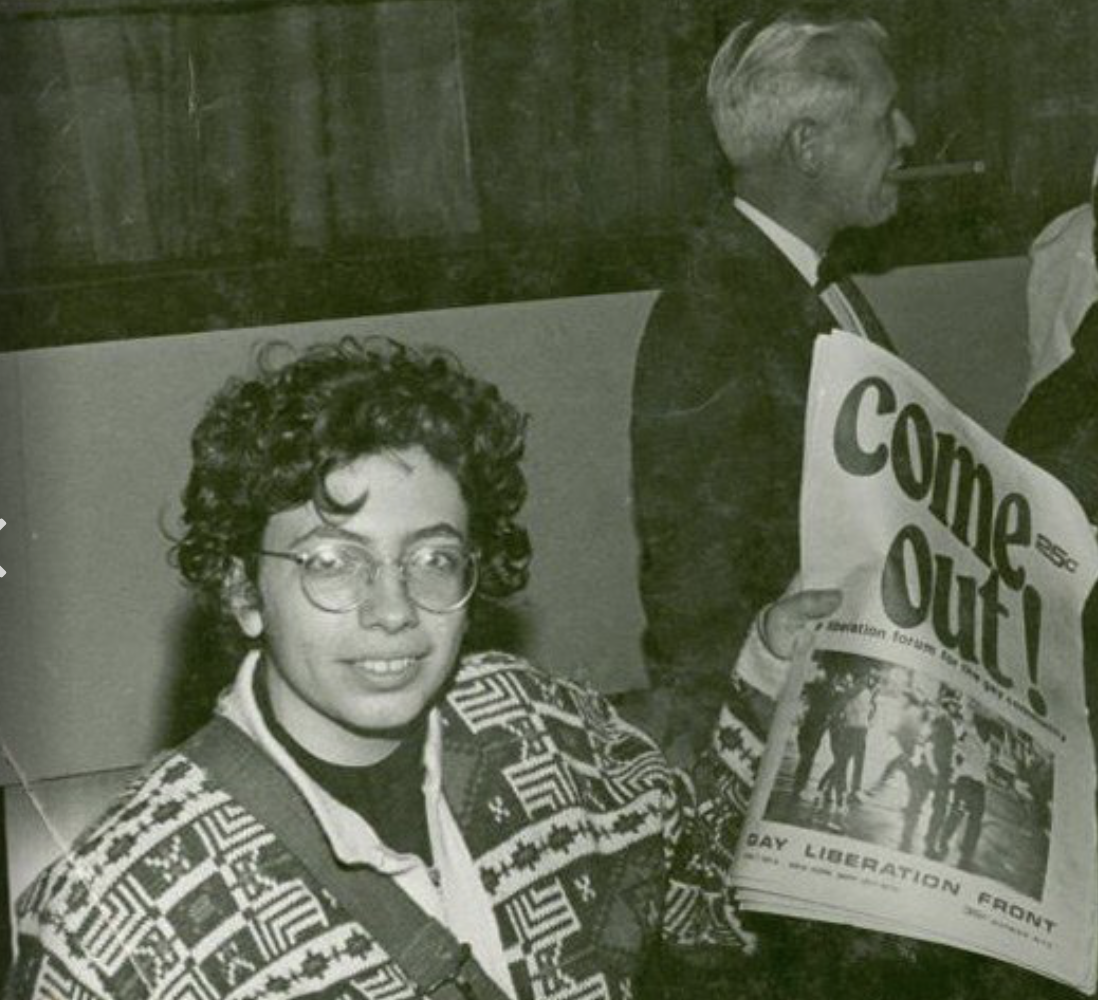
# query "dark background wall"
(181, 165)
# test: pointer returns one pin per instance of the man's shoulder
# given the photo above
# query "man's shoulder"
(1074, 228)
(734, 293)
(729, 254)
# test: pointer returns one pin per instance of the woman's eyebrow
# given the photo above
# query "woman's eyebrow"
(434, 530)
(439, 528)
(327, 531)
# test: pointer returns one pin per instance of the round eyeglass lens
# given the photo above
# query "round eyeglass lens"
(336, 577)
(343, 577)
(439, 578)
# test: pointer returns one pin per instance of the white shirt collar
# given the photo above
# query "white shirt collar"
(802, 256)
(352, 839)
(807, 262)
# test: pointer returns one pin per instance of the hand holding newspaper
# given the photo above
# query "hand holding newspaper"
(930, 770)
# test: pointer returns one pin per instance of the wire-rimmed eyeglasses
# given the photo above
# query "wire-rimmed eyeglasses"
(342, 576)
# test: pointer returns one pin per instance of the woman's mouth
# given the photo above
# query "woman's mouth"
(387, 670)
(386, 666)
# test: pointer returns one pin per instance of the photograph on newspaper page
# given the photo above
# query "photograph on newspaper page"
(931, 770)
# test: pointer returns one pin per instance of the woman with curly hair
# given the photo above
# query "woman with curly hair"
(370, 813)
(272, 442)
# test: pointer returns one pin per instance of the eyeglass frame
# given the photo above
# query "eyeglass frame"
(300, 559)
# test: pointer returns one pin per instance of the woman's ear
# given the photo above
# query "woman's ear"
(241, 597)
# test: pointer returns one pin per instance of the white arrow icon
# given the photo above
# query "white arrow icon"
(3, 572)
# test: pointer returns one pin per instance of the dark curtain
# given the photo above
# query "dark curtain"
(164, 137)
(171, 165)
(190, 136)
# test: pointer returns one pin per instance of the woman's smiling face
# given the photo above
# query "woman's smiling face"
(344, 684)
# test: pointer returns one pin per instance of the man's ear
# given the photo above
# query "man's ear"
(241, 597)
(804, 146)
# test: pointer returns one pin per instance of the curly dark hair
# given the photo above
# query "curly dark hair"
(268, 443)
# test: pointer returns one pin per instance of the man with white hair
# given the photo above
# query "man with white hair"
(804, 107)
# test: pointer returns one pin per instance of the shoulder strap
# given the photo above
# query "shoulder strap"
(441, 967)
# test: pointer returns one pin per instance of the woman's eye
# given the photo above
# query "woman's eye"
(437, 560)
(328, 561)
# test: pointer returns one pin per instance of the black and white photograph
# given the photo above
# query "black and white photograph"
(891, 758)
(402, 425)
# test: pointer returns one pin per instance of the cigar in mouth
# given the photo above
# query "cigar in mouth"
(934, 171)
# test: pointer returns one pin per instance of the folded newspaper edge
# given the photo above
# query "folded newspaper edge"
(930, 769)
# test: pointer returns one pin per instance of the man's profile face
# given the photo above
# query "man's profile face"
(862, 148)
(341, 683)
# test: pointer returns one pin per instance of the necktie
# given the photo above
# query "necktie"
(831, 273)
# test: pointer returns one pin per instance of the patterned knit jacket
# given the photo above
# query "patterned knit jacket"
(589, 845)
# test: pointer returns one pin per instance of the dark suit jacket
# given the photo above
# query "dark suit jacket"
(717, 434)
(718, 414)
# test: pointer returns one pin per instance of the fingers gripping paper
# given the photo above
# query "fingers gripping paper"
(932, 770)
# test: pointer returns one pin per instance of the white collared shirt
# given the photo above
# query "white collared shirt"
(450, 890)
(807, 262)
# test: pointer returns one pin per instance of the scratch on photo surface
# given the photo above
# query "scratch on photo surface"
(79, 868)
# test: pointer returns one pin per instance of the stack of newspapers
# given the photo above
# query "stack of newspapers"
(930, 770)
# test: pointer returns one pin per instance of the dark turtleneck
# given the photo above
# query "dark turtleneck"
(387, 794)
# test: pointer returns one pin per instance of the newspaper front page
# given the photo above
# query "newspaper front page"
(930, 770)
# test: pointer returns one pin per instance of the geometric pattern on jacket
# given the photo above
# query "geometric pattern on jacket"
(589, 845)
